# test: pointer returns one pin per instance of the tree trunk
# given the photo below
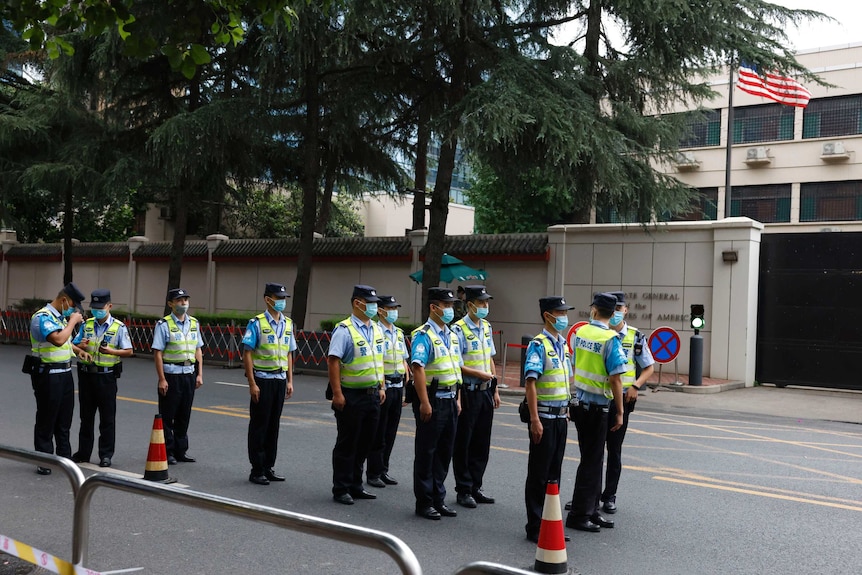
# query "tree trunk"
(439, 213)
(310, 178)
(178, 245)
(325, 211)
(68, 231)
(420, 178)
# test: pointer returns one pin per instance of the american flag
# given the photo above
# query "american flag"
(781, 89)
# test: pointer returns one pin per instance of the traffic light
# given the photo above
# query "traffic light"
(697, 320)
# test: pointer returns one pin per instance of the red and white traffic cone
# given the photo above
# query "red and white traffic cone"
(551, 549)
(157, 456)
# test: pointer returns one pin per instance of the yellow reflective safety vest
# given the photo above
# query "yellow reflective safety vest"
(590, 372)
(366, 369)
(630, 375)
(394, 353)
(94, 343)
(47, 351)
(557, 376)
(478, 354)
(444, 366)
(272, 352)
(180, 347)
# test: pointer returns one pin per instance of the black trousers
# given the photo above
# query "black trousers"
(473, 440)
(432, 451)
(176, 409)
(357, 424)
(264, 423)
(387, 429)
(97, 392)
(592, 428)
(544, 464)
(615, 449)
(55, 404)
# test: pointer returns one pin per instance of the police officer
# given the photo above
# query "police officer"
(357, 384)
(479, 398)
(639, 368)
(50, 369)
(437, 374)
(267, 359)
(396, 372)
(177, 344)
(599, 363)
(107, 341)
(548, 375)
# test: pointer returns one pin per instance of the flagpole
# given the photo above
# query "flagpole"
(728, 144)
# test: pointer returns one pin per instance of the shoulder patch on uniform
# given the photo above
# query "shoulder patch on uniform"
(534, 358)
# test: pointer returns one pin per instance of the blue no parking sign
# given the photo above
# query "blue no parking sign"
(664, 344)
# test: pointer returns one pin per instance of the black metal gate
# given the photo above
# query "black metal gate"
(809, 324)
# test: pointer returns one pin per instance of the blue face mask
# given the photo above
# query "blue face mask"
(482, 312)
(561, 323)
(370, 310)
(616, 319)
(180, 310)
(68, 312)
(447, 315)
(392, 315)
(279, 305)
(99, 313)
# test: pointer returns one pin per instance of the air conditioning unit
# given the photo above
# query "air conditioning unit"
(685, 161)
(834, 152)
(757, 156)
(166, 213)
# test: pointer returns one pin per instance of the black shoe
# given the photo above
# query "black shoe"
(185, 458)
(480, 497)
(583, 525)
(172, 460)
(609, 506)
(428, 513)
(43, 470)
(362, 494)
(258, 479)
(466, 500)
(535, 538)
(344, 499)
(78, 458)
(445, 510)
(375, 482)
(602, 522)
(388, 480)
(568, 506)
(272, 475)
(105, 462)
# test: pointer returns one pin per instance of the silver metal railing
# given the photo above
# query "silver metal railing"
(389, 544)
(76, 478)
(486, 568)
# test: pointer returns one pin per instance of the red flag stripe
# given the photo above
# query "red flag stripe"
(780, 89)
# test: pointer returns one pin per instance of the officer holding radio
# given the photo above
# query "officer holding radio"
(107, 341)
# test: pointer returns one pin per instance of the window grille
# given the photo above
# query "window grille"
(704, 206)
(766, 123)
(767, 204)
(704, 129)
(830, 117)
(830, 201)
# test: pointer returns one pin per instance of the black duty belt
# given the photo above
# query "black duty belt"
(595, 407)
(95, 368)
(477, 386)
(553, 410)
(394, 379)
(56, 365)
(184, 363)
(365, 390)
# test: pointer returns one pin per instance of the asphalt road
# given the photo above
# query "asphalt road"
(718, 493)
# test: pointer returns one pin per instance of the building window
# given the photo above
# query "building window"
(830, 117)
(704, 206)
(703, 129)
(830, 201)
(611, 215)
(767, 204)
(766, 123)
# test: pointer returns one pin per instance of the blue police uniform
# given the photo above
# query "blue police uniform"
(176, 405)
(265, 416)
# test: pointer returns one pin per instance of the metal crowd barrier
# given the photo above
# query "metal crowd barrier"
(486, 568)
(72, 471)
(353, 534)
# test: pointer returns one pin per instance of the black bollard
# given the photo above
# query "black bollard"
(695, 360)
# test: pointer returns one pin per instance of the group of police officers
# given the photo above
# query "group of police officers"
(448, 378)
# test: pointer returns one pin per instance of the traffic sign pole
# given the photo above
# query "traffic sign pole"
(695, 361)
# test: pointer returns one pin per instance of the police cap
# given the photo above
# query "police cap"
(554, 303)
(388, 301)
(71, 290)
(177, 293)
(604, 301)
(275, 290)
(477, 292)
(367, 293)
(441, 294)
(621, 297)
(100, 298)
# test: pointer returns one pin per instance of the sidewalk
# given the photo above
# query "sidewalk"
(801, 403)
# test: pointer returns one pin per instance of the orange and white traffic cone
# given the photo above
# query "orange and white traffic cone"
(157, 456)
(551, 549)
